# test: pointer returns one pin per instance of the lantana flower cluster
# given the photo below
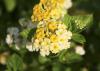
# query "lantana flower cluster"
(51, 37)
(50, 9)
(51, 34)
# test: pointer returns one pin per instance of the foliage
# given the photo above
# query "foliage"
(83, 19)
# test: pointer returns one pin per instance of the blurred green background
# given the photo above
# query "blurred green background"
(12, 10)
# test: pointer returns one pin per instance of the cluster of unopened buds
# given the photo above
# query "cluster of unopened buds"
(51, 34)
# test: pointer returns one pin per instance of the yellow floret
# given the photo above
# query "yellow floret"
(54, 48)
(40, 33)
(53, 38)
(52, 26)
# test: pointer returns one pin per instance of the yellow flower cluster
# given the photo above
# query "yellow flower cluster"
(51, 36)
(50, 9)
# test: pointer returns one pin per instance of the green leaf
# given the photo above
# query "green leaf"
(78, 38)
(82, 21)
(68, 69)
(68, 21)
(43, 60)
(56, 67)
(15, 63)
(69, 57)
(77, 23)
(10, 5)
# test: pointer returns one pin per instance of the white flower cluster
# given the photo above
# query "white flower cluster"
(80, 50)
(52, 37)
(13, 37)
(9, 39)
(13, 33)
